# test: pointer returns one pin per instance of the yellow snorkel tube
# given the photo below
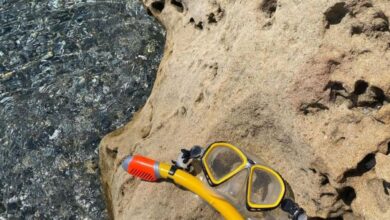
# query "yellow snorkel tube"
(151, 170)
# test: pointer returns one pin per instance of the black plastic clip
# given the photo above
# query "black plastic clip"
(184, 161)
(173, 169)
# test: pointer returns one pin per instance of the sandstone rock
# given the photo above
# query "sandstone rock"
(301, 84)
(383, 167)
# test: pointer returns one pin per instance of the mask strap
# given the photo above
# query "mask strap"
(186, 156)
(293, 209)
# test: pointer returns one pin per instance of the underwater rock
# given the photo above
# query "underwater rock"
(301, 84)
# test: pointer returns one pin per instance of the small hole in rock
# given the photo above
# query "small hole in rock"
(219, 10)
(334, 85)
(335, 14)
(313, 170)
(360, 87)
(158, 6)
(199, 25)
(178, 5)
(386, 187)
(112, 152)
(314, 107)
(211, 18)
(379, 94)
(269, 7)
(325, 180)
(367, 5)
(192, 20)
(366, 164)
(383, 25)
(347, 194)
(332, 65)
(356, 30)
(149, 12)
(388, 149)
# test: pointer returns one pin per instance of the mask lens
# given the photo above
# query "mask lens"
(222, 161)
(266, 187)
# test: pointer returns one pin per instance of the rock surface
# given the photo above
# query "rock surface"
(305, 85)
(70, 72)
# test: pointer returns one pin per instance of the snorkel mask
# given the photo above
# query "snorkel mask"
(254, 189)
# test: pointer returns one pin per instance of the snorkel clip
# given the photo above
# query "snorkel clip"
(186, 156)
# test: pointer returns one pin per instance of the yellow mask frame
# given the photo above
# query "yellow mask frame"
(245, 164)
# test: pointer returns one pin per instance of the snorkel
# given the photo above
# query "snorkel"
(153, 171)
(235, 183)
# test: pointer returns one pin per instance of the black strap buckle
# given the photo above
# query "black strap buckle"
(293, 209)
(185, 158)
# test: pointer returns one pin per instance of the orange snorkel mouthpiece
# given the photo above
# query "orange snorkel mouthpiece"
(142, 167)
(151, 170)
